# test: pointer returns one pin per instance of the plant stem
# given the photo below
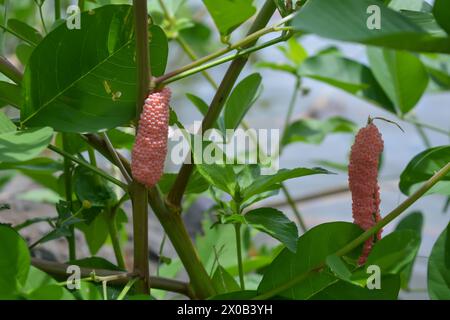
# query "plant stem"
(10, 71)
(138, 192)
(113, 234)
(237, 229)
(58, 270)
(294, 208)
(428, 126)
(68, 191)
(208, 65)
(291, 107)
(365, 235)
(41, 15)
(57, 9)
(176, 231)
(127, 288)
(88, 166)
(179, 186)
(81, 5)
(114, 153)
(246, 42)
(92, 158)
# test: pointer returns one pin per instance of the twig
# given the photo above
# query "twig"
(114, 153)
(10, 71)
(59, 271)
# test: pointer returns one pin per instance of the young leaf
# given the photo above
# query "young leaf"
(221, 176)
(25, 144)
(25, 31)
(401, 74)
(348, 75)
(395, 30)
(314, 131)
(229, 14)
(224, 282)
(266, 182)
(241, 99)
(92, 84)
(274, 223)
(95, 263)
(14, 262)
(422, 167)
(439, 267)
(313, 248)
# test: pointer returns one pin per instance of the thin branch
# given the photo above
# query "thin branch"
(115, 154)
(10, 71)
(59, 271)
(89, 166)
(246, 42)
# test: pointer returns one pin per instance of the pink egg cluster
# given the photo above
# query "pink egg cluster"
(363, 182)
(150, 147)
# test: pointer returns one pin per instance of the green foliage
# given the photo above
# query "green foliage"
(396, 30)
(229, 14)
(422, 167)
(79, 92)
(314, 131)
(274, 223)
(10, 94)
(14, 262)
(313, 248)
(439, 267)
(402, 76)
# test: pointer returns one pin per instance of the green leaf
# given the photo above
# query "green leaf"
(343, 290)
(401, 74)
(277, 66)
(294, 51)
(50, 292)
(25, 144)
(274, 223)
(223, 282)
(10, 94)
(314, 131)
(439, 268)
(415, 5)
(25, 31)
(241, 99)
(313, 248)
(91, 187)
(199, 103)
(422, 167)
(441, 12)
(348, 75)
(221, 176)
(196, 184)
(414, 222)
(6, 125)
(92, 84)
(392, 254)
(14, 262)
(121, 139)
(396, 31)
(266, 182)
(96, 233)
(338, 267)
(229, 14)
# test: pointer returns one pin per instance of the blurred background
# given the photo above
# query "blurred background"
(319, 198)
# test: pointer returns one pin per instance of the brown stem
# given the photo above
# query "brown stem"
(58, 271)
(233, 72)
(10, 71)
(138, 192)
